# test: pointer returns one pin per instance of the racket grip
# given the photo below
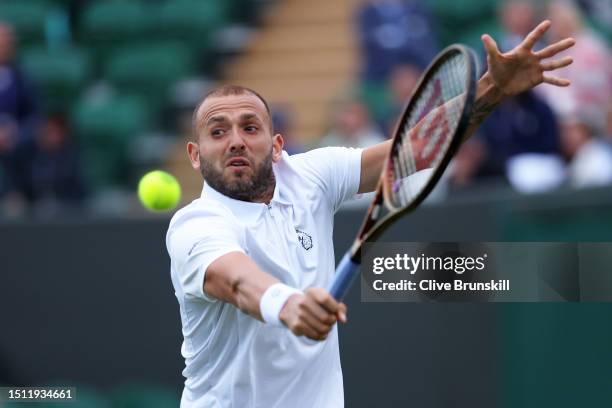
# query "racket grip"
(346, 272)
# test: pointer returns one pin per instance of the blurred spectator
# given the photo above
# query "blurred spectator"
(352, 127)
(521, 125)
(589, 155)
(17, 113)
(282, 121)
(535, 172)
(394, 32)
(600, 10)
(466, 165)
(590, 73)
(517, 17)
(609, 123)
(51, 167)
(522, 133)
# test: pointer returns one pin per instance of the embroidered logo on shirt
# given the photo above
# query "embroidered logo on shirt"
(305, 239)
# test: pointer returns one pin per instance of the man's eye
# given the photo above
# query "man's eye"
(251, 128)
(217, 132)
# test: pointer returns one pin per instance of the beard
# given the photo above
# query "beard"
(243, 188)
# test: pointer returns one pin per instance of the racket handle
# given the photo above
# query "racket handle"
(346, 272)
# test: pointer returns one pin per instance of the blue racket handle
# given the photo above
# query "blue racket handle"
(346, 272)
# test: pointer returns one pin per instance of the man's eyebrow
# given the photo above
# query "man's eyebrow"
(216, 119)
(223, 119)
(249, 116)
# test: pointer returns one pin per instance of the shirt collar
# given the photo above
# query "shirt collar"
(245, 210)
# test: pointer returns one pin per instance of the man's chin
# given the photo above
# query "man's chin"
(238, 173)
(238, 177)
(237, 183)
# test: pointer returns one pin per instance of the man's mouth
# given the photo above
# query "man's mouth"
(237, 162)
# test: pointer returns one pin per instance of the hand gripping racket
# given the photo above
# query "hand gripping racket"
(427, 135)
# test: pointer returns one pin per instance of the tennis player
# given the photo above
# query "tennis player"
(251, 256)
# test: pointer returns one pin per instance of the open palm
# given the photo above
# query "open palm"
(522, 68)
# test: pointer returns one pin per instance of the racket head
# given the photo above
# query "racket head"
(429, 130)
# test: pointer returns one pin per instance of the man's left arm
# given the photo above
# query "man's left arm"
(508, 74)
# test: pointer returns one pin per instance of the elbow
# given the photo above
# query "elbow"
(234, 279)
(223, 286)
(235, 292)
(233, 289)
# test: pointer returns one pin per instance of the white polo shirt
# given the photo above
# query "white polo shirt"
(232, 359)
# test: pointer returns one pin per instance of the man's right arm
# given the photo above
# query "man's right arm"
(234, 278)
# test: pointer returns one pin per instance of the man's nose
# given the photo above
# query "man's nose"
(236, 141)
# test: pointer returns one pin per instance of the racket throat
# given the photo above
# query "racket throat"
(375, 212)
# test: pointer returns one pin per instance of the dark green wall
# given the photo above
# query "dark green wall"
(91, 302)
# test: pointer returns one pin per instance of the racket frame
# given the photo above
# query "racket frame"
(371, 227)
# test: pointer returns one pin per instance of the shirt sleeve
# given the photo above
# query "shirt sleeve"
(337, 170)
(195, 239)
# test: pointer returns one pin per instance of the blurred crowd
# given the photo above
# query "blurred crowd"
(93, 92)
(537, 141)
(38, 157)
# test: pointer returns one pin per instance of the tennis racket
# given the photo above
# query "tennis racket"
(427, 135)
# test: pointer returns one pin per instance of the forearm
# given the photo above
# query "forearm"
(488, 97)
(234, 278)
(372, 161)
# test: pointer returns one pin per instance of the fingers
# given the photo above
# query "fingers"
(328, 305)
(555, 48)
(323, 298)
(318, 312)
(314, 314)
(315, 328)
(490, 45)
(557, 81)
(303, 322)
(304, 329)
(341, 315)
(560, 63)
(537, 33)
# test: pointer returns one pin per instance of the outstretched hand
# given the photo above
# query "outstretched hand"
(522, 68)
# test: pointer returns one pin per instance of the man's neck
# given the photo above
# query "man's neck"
(267, 196)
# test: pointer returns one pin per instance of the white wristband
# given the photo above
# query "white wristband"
(273, 300)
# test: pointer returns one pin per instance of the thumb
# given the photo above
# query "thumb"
(490, 45)
(341, 314)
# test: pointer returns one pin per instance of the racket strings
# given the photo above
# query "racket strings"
(427, 130)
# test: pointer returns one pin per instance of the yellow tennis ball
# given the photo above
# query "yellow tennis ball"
(159, 191)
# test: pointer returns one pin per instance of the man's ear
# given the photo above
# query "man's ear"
(277, 147)
(193, 150)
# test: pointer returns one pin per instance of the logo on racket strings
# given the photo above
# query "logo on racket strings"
(431, 132)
